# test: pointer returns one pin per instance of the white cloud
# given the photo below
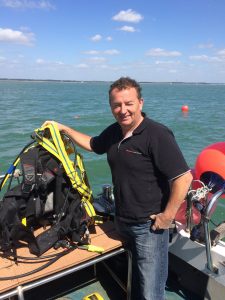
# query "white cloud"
(97, 59)
(27, 4)
(167, 62)
(202, 57)
(2, 58)
(104, 67)
(15, 36)
(172, 71)
(205, 58)
(96, 38)
(111, 52)
(40, 61)
(128, 16)
(163, 53)
(128, 28)
(221, 53)
(99, 37)
(109, 38)
(107, 52)
(92, 52)
(205, 46)
(82, 66)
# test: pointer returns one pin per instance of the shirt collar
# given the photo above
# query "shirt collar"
(141, 126)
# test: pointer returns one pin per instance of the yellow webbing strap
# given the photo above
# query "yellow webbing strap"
(57, 148)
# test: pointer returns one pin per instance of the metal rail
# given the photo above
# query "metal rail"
(208, 211)
(19, 291)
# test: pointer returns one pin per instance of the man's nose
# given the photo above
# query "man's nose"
(123, 109)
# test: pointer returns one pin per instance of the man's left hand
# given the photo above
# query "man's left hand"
(161, 221)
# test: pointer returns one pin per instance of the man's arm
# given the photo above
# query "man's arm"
(179, 189)
(79, 138)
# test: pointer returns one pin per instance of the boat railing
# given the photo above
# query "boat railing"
(203, 200)
(207, 214)
(196, 197)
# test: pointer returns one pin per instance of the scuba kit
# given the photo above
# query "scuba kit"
(53, 194)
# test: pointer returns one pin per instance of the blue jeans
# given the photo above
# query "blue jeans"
(149, 251)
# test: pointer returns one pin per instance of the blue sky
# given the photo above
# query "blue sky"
(160, 40)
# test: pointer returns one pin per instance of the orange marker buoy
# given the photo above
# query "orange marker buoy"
(210, 165)
(185, 108)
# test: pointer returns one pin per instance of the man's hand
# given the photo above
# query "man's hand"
(179, 189)
(60, 126)
(161, 221)
(79, 138)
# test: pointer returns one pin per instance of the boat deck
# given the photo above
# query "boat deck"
(78, 273)
(105, 236)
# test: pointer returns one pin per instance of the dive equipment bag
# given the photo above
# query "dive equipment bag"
(53, 193)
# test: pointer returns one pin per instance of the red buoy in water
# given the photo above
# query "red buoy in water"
(185, 108)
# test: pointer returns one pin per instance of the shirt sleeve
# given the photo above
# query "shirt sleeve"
(167, 155)
(99, 144)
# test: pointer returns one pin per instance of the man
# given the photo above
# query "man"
(150, 178)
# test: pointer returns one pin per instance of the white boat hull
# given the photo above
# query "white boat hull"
(188, 261)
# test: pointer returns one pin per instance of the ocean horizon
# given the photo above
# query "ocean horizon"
(107, 81)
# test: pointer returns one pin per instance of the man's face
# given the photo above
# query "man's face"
(126, 107)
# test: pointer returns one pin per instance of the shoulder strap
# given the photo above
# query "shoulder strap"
(29, 169)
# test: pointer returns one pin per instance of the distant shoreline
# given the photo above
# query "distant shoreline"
(105, 81)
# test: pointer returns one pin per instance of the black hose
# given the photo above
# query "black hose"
(35, 259)
(40, 268)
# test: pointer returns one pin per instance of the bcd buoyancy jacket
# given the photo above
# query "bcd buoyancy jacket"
(54, 192)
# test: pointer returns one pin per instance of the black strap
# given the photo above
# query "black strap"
(47, 239)
(60, 198)
(29, 168)
(71, 222)
(22, 233)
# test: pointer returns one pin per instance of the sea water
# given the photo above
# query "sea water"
(25, 105)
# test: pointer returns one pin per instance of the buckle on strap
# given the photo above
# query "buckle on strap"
(29, 179)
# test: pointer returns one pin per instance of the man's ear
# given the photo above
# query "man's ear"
(141, 102)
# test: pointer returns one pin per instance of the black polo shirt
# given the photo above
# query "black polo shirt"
(141, 167)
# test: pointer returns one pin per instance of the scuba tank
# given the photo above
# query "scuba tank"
(105, 203)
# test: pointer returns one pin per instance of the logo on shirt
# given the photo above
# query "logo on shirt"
(132, 151)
